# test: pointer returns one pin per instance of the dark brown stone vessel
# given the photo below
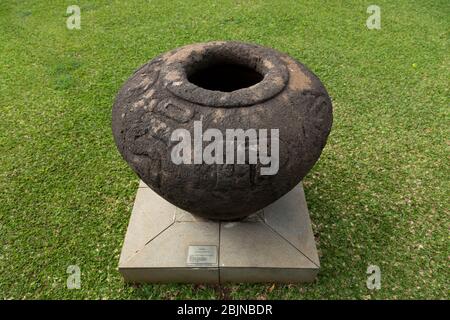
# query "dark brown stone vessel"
(225, 85)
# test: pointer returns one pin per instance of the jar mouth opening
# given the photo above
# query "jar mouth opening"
(224, 74)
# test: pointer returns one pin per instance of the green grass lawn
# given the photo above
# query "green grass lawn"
(378, 195)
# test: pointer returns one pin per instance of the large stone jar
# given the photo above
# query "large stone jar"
(221, 85)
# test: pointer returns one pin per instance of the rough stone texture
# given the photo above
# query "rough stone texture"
(159, 98)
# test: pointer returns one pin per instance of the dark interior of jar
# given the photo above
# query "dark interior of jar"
(225, 77)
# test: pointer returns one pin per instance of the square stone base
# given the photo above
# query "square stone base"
(165, 244)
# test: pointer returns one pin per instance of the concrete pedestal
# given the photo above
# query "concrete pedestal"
(167, 244)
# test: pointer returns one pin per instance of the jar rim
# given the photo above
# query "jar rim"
(181, 62)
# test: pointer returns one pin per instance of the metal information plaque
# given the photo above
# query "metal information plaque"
(202, 256)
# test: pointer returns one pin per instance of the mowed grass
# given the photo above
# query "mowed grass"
(378, 195)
